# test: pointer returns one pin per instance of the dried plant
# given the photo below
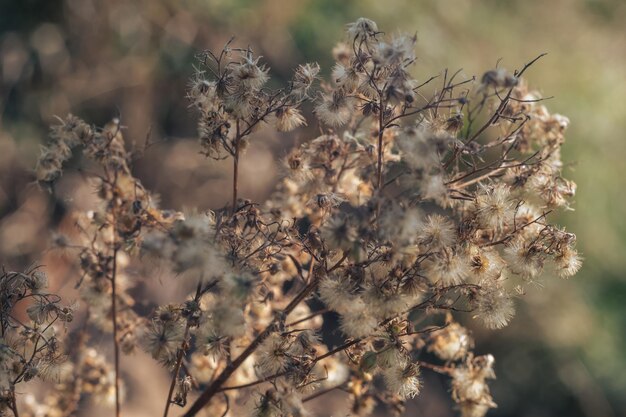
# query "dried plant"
(32, 349)
(420, 202)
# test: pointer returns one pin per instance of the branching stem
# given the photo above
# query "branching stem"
(215, 387)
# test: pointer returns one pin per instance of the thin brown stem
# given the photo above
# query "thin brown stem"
(309, 317)
(445, 370)
(339, 263)
(236, 170)
(322, 392)
(253, 383)
(181, 353)
(339, 349)
(116, 345)
(381, 130)
(179, 362)
(14, 404)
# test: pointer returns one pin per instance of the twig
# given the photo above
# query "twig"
(236, 170)
(115, 341)
(310, 316)
(381, 130)
(322, 392)
(14, 404)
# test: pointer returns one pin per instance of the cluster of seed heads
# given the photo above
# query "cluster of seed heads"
(421, 200)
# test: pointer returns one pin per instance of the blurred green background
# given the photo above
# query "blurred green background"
(564, 353)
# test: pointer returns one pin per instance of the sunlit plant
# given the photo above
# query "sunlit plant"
(421, 200)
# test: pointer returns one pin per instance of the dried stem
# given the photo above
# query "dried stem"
(181, 352)
(309, 317)
(444, 370)
(322, 392)
(381, 130)
(14, 404)
(116, 345)
(179, 362)
(236, 169)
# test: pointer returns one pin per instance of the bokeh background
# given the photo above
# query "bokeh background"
(563, 354)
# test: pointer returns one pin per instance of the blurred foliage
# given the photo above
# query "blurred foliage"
(563, 354)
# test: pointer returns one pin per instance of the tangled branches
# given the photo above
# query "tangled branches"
(419, 201)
